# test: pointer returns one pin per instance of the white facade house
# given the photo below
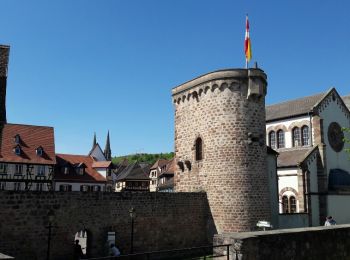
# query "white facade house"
(155, 171)
(313, 168)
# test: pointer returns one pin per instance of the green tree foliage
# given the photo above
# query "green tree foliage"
(347, 139)
(143, 157)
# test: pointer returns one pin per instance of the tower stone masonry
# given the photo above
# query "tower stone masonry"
(220, 145)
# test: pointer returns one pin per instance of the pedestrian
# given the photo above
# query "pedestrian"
(330, 221)
(78, 252)
(114, 250)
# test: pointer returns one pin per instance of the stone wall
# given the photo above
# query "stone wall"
(226, 109)
(163, 221)
(298, 243)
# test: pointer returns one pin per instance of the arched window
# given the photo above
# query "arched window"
(285, 208)
(272, 139)
(292, 204)
(296, 136)
(305, 132)
(280, 139)
(199, 149)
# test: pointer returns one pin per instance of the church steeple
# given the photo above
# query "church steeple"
(107, 152)
(94, 141)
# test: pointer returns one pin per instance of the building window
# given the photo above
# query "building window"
(65, 170)
(84, 188)
(292, 204)
(272, 139)
(305, 131)
(17, 139)
(65, 187)
(96, 188)
(39, 151)
(17, 150)
(80, 170)
(41, 170)
(285, 208)
(17, 186)
(3, 168)
(18, 169)
(199, 149)
(2, 185)
(39, 186)
(296, 137)
(280, 139)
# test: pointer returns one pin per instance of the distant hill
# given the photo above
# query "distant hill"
(143, 157)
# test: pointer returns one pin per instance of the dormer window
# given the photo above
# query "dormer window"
(17, 150)
(39, 151)
(17, 139)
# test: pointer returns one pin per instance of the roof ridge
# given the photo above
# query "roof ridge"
(305, 97)
(29, 125)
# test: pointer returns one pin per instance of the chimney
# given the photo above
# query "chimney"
(4, 59)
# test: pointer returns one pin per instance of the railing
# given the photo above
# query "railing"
(193, 253)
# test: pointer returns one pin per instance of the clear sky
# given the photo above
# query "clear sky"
(97, 65)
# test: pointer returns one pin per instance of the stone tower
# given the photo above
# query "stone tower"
(4, 58)
(220, 145)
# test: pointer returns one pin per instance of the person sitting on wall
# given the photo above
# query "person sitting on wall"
(330, 221)
(114, 250)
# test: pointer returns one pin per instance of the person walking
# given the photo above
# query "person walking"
(78, 252)
(114, 250)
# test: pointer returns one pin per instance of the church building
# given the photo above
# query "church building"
(313, 168)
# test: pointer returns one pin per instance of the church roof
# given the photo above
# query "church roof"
(292, 157)
(346, 100)
(296, 107)
(72, 161)
(30, 138)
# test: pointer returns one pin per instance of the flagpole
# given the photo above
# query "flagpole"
(246, 63)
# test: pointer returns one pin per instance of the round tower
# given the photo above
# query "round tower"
(220, 145)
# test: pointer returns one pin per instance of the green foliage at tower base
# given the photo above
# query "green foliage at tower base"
(346, 139)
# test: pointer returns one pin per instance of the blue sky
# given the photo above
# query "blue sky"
(93, 66)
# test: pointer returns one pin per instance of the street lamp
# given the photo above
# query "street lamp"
(51, 217)
(132, 213)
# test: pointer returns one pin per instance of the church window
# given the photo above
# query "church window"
(199, 149)
(285, 208)
(305, 132)
(292, 204)
(296, 136)
(280, 139)
(272, 139)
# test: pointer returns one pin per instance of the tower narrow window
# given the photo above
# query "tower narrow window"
(280, 139)
(305, 132)
(296, 136)
(272, 139)
(199, 149)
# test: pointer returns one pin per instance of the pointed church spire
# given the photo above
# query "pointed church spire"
(107, 151)
(94, 141)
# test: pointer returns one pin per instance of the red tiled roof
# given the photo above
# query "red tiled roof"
(159, 163)
(69, 160)
(31, 137)
(101, 164)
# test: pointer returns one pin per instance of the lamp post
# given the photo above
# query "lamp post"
(132, 213)
(51, 217)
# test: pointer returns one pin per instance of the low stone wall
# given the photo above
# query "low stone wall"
(163, 221)
(298, 243)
